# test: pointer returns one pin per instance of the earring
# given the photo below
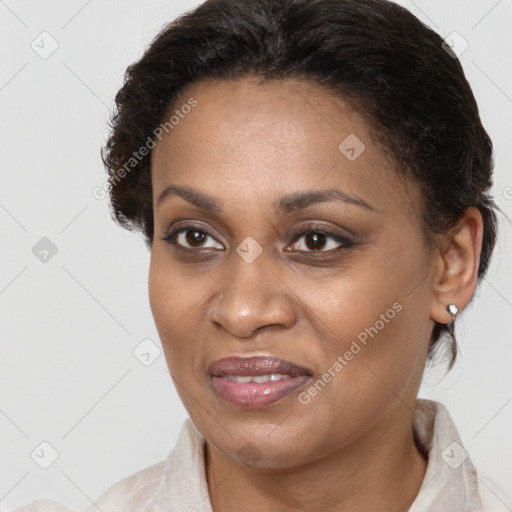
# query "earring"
(453, 310)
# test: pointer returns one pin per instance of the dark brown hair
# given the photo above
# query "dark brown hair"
(373, 53)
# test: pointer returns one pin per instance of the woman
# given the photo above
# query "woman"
(312, 179)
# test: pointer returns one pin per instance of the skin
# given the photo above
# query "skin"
(246, 145)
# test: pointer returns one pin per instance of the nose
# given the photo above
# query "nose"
(251, 298)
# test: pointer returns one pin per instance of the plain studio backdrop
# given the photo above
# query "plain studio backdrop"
(76, 392)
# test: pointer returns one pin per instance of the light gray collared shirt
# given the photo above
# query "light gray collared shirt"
(178, 484)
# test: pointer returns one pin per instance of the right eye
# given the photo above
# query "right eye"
(191, 237)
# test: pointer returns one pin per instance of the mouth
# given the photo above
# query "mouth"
(254, 382)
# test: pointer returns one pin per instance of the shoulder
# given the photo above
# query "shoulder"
(175, 483)
(128, 495)
(131, 493)
(493, 497)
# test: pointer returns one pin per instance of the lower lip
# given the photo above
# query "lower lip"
(256, 394)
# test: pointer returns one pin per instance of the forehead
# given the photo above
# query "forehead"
(266, 139)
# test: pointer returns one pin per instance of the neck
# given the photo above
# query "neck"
(382, 470)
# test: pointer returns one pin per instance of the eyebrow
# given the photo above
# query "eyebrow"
(285, 204)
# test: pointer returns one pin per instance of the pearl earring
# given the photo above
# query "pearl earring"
(453, 310)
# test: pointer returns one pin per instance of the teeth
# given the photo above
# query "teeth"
(278, 376)
(261, 378)
(242, 379)
(256, 378)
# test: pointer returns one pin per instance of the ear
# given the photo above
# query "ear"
(457, 266)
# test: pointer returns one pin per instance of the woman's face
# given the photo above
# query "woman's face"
(273, 265)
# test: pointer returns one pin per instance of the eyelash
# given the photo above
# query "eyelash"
(345, 242)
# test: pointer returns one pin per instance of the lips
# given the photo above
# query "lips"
(241, 381)
(254, 366)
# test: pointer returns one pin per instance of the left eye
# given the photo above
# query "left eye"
(316, 240)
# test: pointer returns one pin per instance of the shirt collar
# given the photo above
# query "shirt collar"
(450, 482)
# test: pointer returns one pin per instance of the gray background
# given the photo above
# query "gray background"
(69, 326)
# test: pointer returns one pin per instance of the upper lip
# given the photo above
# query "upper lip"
(256, 365)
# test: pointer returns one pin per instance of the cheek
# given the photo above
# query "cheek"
(177, 301)
(159, 290)
(173, 292)
(169, 301)
(372, 341)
